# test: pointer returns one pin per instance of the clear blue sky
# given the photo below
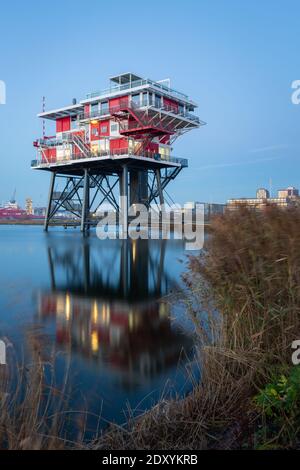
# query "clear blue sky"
(236, 59)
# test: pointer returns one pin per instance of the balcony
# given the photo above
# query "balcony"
(168, 109)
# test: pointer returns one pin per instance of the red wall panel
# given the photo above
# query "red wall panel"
(118, 144)
(152, 147)
(95, 133)
(49, 155)
(114, 102)
(100, 129)
(104, 128)
(63, 124)
(171, 104)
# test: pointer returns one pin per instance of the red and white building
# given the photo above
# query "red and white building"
(131, 124)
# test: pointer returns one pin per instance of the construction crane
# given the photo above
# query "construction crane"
(13, 198)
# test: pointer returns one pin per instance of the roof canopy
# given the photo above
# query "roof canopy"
(125, 78)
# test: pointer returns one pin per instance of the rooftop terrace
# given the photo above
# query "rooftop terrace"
(129, 80)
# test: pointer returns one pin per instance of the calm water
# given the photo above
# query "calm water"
(102, 310)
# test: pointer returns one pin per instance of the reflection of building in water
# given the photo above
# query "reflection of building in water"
(110, 313)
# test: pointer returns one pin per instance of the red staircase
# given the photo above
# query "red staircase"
(135, 121)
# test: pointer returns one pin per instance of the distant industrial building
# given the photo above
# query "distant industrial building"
(285, 198)
(40, 211)
(209, 209)
(28, 206)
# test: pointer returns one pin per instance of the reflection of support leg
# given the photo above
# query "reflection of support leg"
(124, 267)
(161, 266)
(159, 188)
(51, 265)
(52, 181)
(86, 265)
(85, 202)
(124, 201)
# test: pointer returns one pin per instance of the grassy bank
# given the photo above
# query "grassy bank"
(244, 297)
(243, 294)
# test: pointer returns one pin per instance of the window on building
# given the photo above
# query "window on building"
(94, 109)
(103, 145)
(114, 127)
(104, 107)
(145, 99)
(95, 148)
(157, 101)
(180, 108)
(164, 152)
(135, 99)
(103, 129)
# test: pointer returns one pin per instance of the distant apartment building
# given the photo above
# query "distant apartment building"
(290, 192)
(285, 198)
(262, 193)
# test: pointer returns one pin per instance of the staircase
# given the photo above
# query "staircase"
(81, 145)
(142, 120)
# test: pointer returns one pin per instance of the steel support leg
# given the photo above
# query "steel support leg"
(160, 191)
(124, 201)
(85, 202)
(52, 181)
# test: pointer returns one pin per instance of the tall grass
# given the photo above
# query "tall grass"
(251, 266)
(243, 293)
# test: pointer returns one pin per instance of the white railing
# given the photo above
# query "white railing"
(113, 154)
(135, 84)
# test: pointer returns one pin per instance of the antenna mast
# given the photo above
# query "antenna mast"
(43, 110)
